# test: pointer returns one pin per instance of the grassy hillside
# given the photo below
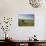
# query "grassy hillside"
(25, 22)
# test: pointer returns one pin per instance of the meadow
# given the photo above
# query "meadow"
(25, 22)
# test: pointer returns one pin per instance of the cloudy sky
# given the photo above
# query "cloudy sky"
(26, 16)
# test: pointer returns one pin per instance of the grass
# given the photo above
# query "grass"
(25, 22)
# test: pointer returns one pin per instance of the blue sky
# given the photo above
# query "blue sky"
(26, 16)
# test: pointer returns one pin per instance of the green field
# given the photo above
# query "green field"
(25, 22)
